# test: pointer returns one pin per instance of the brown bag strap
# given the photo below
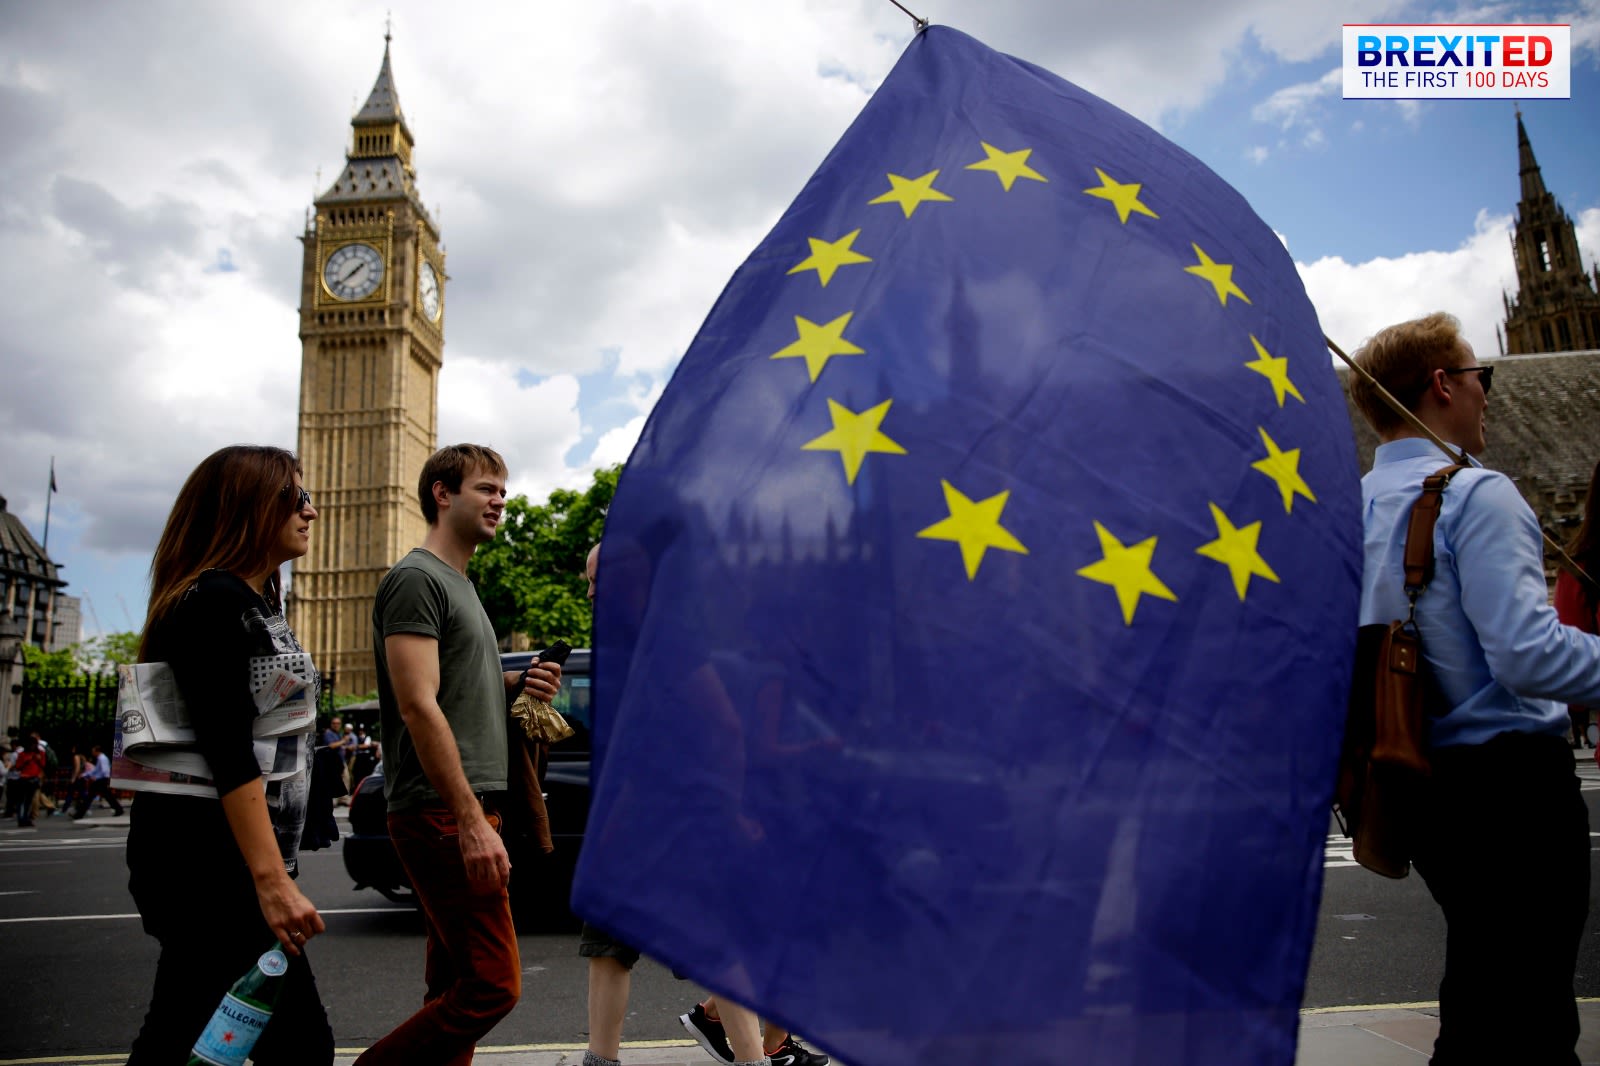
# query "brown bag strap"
(1419, 532)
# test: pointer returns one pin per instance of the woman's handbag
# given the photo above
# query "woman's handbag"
(1384, 766)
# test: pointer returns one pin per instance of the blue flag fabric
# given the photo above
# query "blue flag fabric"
(976, 612)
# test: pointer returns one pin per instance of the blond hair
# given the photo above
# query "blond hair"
(1402, 359)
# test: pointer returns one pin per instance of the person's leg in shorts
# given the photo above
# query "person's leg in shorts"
(610, 980)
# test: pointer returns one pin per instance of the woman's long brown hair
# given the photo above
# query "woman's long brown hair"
(226, 517)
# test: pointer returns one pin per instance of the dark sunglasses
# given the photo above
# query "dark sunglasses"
(304, 500)
(1487, 380)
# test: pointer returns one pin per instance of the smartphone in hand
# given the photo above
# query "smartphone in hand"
(556, 653)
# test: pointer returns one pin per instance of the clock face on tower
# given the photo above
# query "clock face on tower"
(353, 271)
(428, 290)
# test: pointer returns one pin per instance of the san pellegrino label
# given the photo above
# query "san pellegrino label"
(242, 1015)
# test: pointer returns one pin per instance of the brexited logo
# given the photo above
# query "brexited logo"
(1457, 62)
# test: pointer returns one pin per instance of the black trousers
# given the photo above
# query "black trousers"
(1504, 849)
(100, 786)
(195, 895)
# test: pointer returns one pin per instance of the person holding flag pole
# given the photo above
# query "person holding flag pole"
(1504, 665)
(1015, 384)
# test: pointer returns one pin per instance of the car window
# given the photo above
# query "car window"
(573, 703)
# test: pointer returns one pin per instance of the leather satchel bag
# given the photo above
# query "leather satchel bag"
(1384, 766)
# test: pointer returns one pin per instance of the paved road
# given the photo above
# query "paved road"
(88, 974)
(67, 922)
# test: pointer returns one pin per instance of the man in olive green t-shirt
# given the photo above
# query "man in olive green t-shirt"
(443, 698)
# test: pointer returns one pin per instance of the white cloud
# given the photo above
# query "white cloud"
(1585, 22)
(617, 444)
(532, 426)
(1295, 105)
(1355, 300)
(1587, 226)
(1257, 154)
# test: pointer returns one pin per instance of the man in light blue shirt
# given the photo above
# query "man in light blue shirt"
(1504, 839)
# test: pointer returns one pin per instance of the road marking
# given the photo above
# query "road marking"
(1338, 850)
(343, 1052)
(125, 917)
(1351, 1008)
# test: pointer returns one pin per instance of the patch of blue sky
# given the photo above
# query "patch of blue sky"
(607, 400)
(1362, 179)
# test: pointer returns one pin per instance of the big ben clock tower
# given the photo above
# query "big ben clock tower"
(372, 342)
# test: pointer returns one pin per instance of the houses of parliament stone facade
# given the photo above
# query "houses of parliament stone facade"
(1557, 307)
(372, 342)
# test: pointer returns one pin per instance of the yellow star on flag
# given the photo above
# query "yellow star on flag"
(827, 257)
(854, 435)
(1220, 275)
(1236, 549)
(1126, 568)
(818, 344)
(1124, 196)
(1275, 370)
(909, 193)
(974, 526)
(1283, 467)
(1008, 166)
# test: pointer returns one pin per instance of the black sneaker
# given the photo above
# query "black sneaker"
(708, 1032)
(790, 1053)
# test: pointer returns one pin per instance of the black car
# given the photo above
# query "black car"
(540, 883)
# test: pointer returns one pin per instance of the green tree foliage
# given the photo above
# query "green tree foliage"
(71, 665)
(109, 650)
(530, 577)
(51, 667)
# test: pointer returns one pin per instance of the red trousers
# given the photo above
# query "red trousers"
(474, 973)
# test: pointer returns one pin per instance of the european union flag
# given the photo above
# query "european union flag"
(976, 612)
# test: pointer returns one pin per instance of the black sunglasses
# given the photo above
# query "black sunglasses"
(1487, 380)
(303, 502)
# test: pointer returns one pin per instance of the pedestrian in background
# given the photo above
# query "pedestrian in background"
(213, 878)
(365, 757)
(44, 799)
(76, 785)
(8, 758)
(328, 787)
(1503, 836)
(1578, 600)
(29, 769)
(97, 781)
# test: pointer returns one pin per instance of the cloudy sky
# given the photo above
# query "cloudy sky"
(598, 171)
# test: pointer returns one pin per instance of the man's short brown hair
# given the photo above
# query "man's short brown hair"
(1403, 358)
(450, 465)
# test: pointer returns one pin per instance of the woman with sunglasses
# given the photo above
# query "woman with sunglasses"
(213, 877)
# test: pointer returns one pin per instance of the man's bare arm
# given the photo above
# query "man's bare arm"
(414, 675)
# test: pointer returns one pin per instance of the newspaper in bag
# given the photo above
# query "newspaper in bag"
(155, 749)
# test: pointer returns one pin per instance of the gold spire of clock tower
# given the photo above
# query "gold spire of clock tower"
(372, 343)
